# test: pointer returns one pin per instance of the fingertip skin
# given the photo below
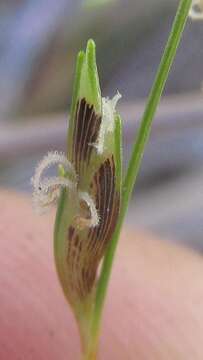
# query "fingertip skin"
(153, 310)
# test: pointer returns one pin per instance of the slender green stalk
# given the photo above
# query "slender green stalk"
(137, 154)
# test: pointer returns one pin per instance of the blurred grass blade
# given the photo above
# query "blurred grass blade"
(95, 3)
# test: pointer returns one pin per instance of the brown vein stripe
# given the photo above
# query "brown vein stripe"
(86, 130)
(82, 273)
(107, 203)
(85, 254)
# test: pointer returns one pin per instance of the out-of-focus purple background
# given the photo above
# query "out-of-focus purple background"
(39, 40)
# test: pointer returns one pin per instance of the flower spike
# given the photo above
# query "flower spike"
(87, 190)
(86, 218)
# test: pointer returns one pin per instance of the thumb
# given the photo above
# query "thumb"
(153, 309)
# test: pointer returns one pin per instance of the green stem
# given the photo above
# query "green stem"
(137, 154)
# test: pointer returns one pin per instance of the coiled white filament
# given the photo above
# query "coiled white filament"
(47, 189)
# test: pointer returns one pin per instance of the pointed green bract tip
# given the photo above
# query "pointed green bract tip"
(88, 81)
(91, 45)
(92, 75)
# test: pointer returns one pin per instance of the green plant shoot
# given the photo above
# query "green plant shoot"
(87, 188)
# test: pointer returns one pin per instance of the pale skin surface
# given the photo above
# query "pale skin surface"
(154, 308)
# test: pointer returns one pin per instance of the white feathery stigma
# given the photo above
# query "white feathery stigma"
(196, 11)
(47, 190)
(107, 123)
(94, 220)
(52, 158)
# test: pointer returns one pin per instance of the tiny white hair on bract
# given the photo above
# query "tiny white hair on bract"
(196, 10)
(107, 122)
(94, 221)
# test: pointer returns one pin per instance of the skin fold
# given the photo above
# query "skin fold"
(154, 307)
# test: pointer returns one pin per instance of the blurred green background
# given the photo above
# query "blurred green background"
(39, 40)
